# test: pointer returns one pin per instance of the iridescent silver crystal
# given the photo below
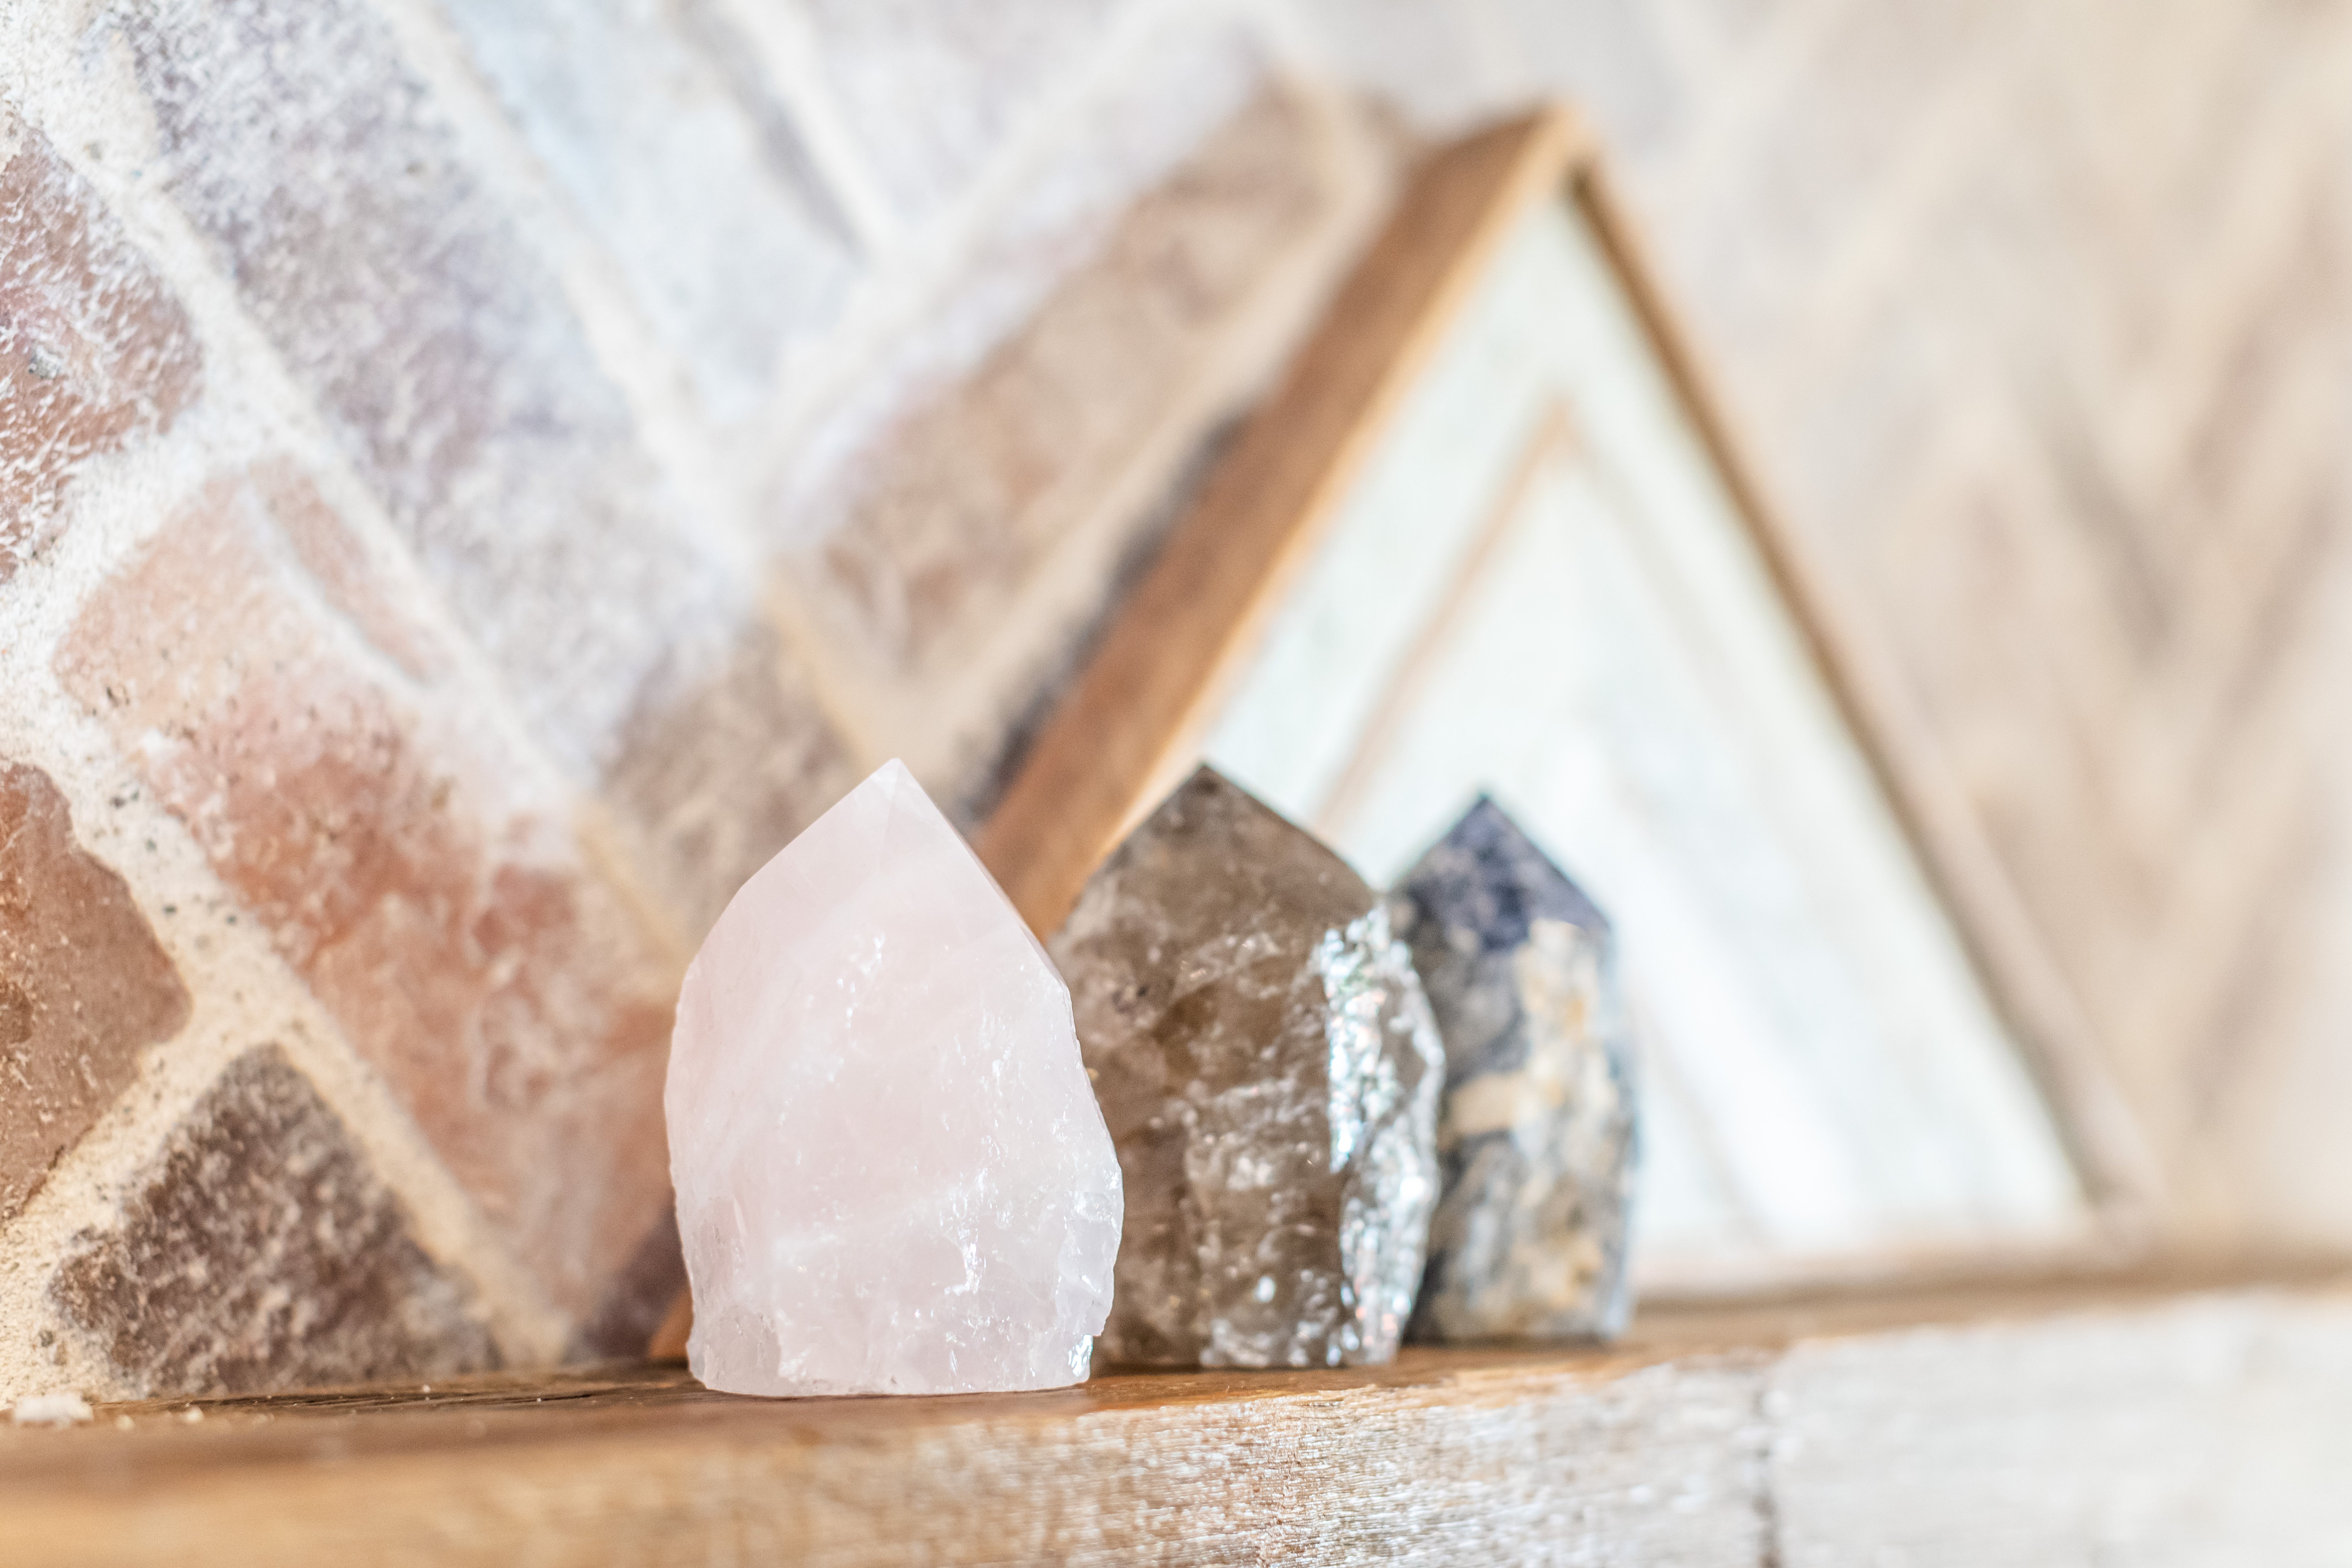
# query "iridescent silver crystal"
(1537, 1136)
(1270, 1072)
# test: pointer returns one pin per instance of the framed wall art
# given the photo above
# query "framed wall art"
(1491, 536)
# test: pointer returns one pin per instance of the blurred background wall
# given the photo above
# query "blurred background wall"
(476, 477)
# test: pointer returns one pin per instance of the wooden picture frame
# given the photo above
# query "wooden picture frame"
(1133, 721)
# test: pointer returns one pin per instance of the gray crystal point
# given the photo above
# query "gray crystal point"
(1537, 1135)
(1270, 1072)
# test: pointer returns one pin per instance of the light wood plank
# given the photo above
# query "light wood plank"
(2061, 1423)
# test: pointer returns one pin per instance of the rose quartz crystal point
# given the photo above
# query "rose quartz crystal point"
(892, 1175)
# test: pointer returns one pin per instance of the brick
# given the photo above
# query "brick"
(932, 87)
(258, 1250)
(439, 346)
(934, 526)
(709, 208)
(393, 851)
(339, 568)
(1431, 65)
(84, 985)
(726, 774)
(640, 1298)
(1607, 56)
(95, 353)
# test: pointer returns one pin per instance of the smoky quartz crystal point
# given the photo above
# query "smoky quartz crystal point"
(1270, 1072)
(1536, 1136)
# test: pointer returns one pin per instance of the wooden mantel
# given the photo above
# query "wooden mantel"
(2060, 1424)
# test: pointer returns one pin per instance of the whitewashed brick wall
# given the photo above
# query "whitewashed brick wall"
(476, 477)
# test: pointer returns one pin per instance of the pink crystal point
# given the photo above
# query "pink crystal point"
(892, 1175)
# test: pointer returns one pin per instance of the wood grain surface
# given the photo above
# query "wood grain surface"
(2063, 1422)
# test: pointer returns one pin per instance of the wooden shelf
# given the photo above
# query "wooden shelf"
(2050, 1423)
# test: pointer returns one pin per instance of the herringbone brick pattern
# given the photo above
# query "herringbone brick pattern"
(621, 426)
(2039, 323)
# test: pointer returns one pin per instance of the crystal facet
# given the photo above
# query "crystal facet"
(892, 1176)
(1270, 1072)
(1537, 1133)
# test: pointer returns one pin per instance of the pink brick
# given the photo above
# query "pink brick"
(937, 519)
(726, 774)
(95, 354)
(439, 346)
(508, 995)
(84, 985)
(259, 1251)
